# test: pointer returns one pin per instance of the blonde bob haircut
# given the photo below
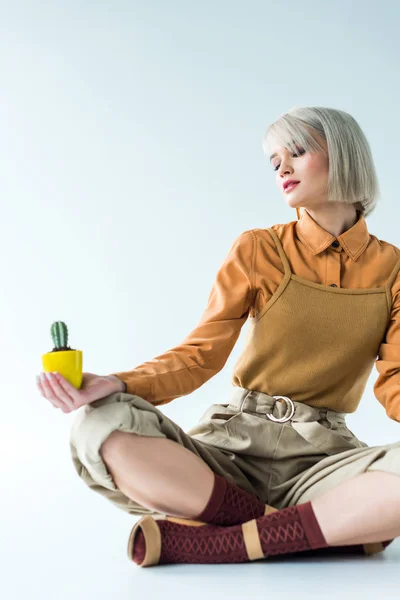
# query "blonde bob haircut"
(352, 177)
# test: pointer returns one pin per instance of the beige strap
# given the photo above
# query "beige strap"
(182, 521)
(269, 509)
(152, 536)
(373, 548)
(252, 540)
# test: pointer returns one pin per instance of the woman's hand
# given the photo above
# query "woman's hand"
(62, 394)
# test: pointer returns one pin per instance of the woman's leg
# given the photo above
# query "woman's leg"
(157, 464)
(158, 473)
(361, 510)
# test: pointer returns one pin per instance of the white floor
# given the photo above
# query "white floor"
(59, 540)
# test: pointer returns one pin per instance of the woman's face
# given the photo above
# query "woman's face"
(310, 169)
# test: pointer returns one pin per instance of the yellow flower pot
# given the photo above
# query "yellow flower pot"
(66, 362)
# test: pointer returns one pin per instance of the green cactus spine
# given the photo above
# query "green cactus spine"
(59, 333)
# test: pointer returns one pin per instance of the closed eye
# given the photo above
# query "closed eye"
(299, 153)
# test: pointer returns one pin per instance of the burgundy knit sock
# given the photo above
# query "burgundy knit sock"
(230, 505)
(192, 545)
(292, 529)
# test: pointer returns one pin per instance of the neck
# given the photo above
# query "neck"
(336, 218)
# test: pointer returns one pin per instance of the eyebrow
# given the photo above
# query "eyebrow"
(276, 153)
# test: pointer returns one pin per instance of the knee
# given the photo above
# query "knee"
(112, 444)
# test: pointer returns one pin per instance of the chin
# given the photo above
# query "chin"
(294, 203)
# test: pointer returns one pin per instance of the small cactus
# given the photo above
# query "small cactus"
(59, 333)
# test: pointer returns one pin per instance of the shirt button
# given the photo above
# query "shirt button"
(335, 244)
(332, 285)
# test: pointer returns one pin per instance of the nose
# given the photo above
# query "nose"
(285, 167)
(284, 172)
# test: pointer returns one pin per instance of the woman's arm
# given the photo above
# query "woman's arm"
(205, 350)
(387, 385)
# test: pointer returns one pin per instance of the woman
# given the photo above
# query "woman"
(275, 470)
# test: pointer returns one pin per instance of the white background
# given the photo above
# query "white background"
(130, 159)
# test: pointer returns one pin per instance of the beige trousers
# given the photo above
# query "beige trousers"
(284, 462)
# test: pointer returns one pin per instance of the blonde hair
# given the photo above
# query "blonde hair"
(352, 175)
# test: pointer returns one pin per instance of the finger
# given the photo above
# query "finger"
(59, 390)
(63, 389)
(56, 394)
(43, 388)
(48, 393)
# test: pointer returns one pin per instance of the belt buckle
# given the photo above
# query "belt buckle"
(285, 418)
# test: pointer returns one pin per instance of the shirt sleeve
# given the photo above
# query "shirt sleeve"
(205, 350)
(387, 385)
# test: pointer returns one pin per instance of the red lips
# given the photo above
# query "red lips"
(286, 183)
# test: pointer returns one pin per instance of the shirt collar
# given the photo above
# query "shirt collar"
(353, 241)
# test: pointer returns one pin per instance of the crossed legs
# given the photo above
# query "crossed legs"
(166, 477)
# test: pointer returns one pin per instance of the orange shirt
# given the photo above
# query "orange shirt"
(247, 279)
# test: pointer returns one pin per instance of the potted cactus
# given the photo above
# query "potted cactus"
(63, 359)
